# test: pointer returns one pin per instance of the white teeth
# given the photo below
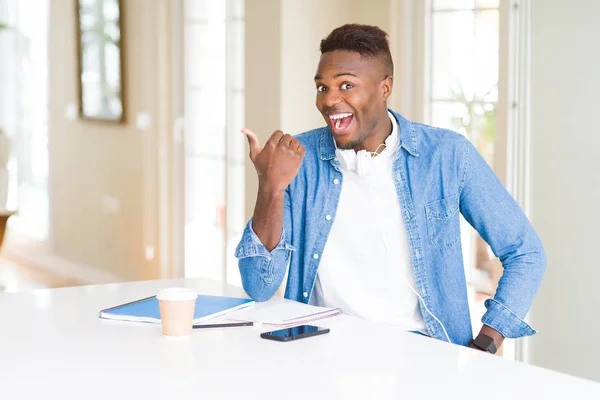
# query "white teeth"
(340, 116)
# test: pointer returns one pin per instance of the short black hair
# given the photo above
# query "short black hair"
(366, 40)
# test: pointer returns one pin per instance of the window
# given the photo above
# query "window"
(24, 112)
(214, 146)
(464, 69)
(463, 96)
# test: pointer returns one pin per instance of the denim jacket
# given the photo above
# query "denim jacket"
(438, 176)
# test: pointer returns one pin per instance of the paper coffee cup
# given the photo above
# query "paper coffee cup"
(177, 311)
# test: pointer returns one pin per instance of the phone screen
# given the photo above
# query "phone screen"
(297, 332)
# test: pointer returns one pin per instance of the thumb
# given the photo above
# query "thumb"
(254, 143)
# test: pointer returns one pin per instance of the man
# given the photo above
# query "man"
(366, 210)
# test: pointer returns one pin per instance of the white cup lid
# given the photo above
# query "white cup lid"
(177, 294)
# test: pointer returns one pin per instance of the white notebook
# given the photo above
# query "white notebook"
(284, 314)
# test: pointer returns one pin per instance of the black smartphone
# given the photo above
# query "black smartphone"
(297, 332)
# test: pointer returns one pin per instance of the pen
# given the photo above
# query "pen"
(223, 325)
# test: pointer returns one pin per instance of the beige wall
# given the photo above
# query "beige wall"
(89, 160)
(282, 53)
(263, 79)
(303, 25)
(565, 184)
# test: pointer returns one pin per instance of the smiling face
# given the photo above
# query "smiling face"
(352, 94)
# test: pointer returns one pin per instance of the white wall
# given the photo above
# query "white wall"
(565, 41)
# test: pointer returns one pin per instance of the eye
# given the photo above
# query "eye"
(321, 88)
(346, 86)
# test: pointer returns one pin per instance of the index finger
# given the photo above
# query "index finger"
(276, 137)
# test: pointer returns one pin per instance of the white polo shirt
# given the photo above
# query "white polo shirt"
(366, 266)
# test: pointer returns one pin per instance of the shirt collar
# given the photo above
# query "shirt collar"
(392, 140)
(405, 130)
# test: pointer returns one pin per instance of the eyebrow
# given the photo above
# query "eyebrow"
(318, 76)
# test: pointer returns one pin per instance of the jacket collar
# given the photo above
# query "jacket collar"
(408, 139)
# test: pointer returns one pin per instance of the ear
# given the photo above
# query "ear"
(386, 87)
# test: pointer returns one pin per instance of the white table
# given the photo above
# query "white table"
(53, 345)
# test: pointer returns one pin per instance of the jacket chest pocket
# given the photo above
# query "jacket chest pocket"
(443, 222)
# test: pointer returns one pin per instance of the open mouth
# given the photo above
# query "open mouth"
(340, 123)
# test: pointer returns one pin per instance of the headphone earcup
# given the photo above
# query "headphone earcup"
(346, 158)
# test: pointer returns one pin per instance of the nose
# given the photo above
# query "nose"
(331, 98)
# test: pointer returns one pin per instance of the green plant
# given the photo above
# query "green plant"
(3, 26)
(478, 121)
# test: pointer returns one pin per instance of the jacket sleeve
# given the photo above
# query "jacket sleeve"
(491, 210)
(263, 271)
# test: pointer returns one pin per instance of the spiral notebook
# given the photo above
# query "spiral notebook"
(146, 310)
(284, 315)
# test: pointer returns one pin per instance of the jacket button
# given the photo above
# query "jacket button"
(316, 256)
(336, 181)
(328, 218)
(305, 294)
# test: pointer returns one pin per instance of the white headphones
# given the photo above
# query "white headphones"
(350, 160)
(360, 162)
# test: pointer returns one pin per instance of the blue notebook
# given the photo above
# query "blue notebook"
(146, 310)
